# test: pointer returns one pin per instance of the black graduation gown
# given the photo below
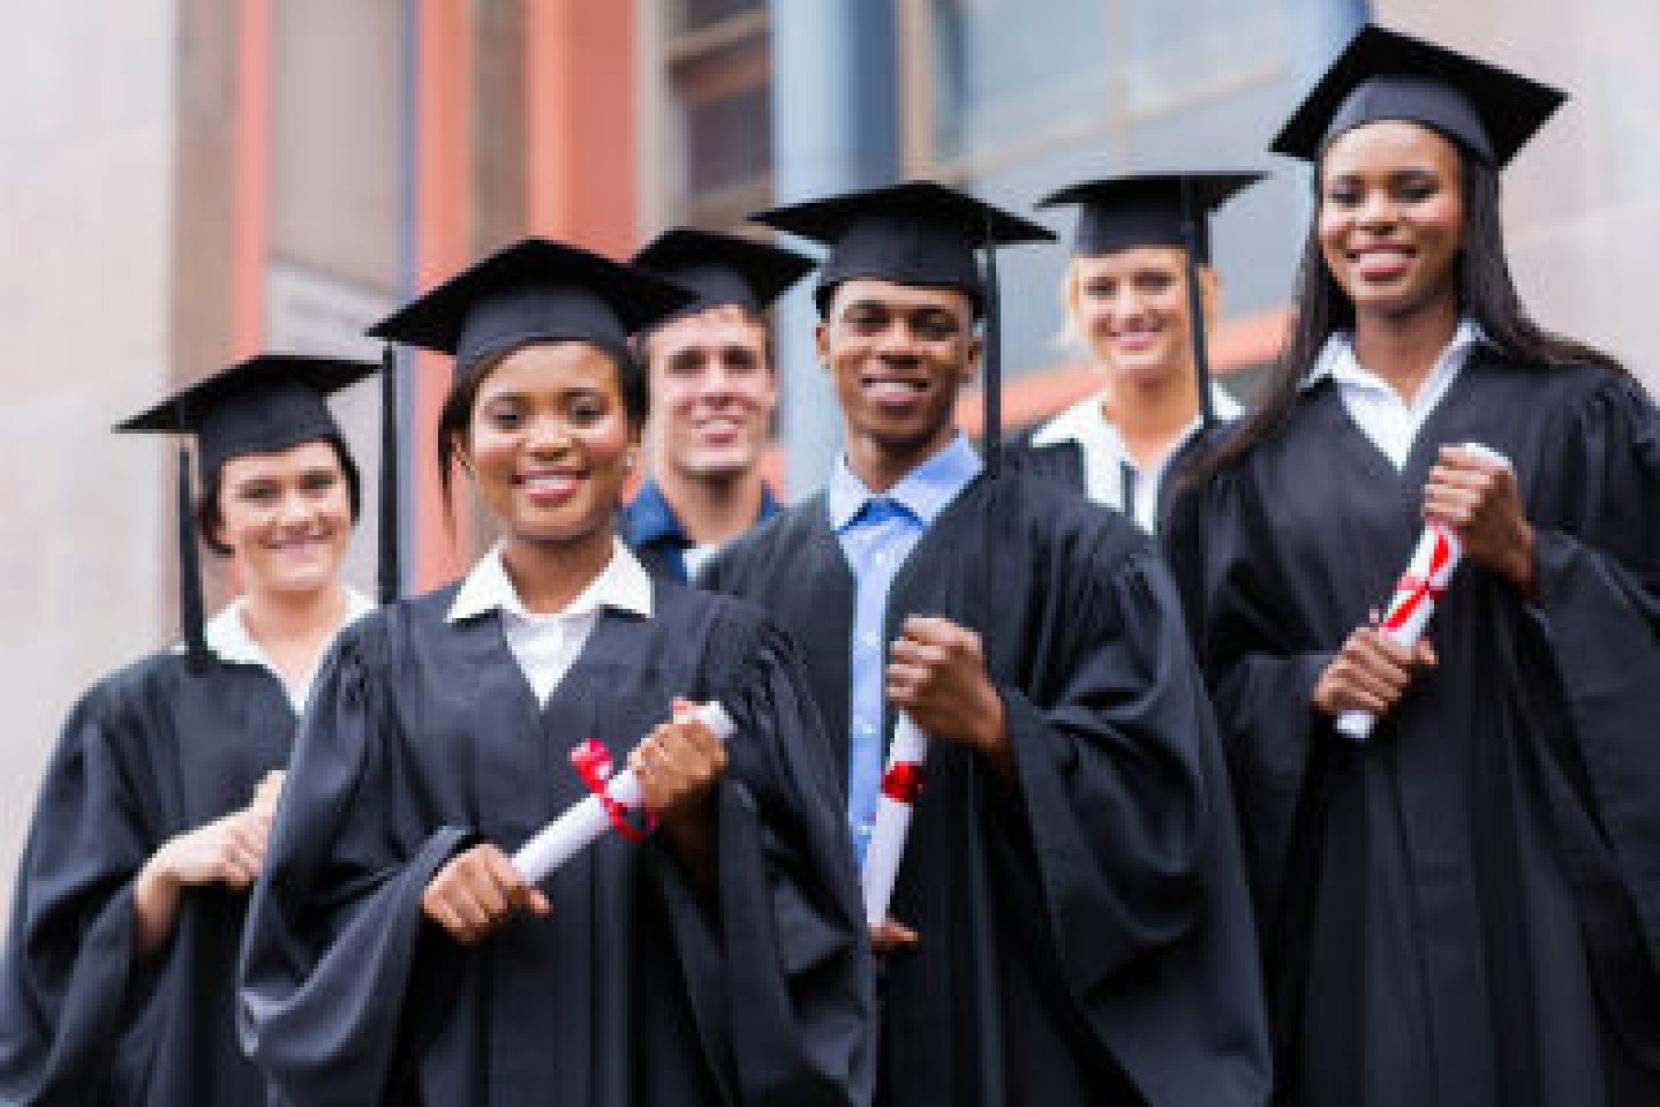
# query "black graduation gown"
(1466, 910)
(424, 738)
(1085, 934)
(1064, 462)
(149, 753)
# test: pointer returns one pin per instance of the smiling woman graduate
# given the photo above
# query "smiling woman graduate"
(394, 954)
(1464, 909)
(152, 820)
(1141, 291)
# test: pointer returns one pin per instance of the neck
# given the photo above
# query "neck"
(1162, 405)
(548, 575)
(1151, 414)
(713, 509)
(1403, 348)
(880, 466)
(277, 618)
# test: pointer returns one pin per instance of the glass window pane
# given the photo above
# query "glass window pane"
(1004, 70)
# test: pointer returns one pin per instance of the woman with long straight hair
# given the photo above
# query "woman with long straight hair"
(1460, 906)
(151, 824)
(395, 952)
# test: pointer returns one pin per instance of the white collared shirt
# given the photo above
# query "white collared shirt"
(1109, 467)
(546, 646)
(1372, 402)
(228, 639)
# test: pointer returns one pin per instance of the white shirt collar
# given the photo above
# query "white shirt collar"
(1337, 361)
(228, 638)
(1085, 423)
(623, 585)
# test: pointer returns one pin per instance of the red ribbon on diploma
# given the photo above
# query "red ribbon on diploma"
(1413, 589)
(902, 783)
(592, 762)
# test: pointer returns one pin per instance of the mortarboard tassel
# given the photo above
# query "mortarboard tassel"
(190, 573)
(389, 573)
(1195, 306)
(991, 434)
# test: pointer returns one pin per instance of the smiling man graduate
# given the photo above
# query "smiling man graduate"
(1070, 920)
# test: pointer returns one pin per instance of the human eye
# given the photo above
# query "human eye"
(865, 319)
(935, 326)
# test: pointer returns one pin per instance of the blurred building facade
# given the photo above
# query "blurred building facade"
(188, 181)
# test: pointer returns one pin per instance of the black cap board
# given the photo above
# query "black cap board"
(723, 269)
(1145, 209)
(263, 404)
(534, 291)
(918, 233)
(268, 402)
(1382, 74)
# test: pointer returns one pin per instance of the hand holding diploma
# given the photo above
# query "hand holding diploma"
(1375, 665)
(1472, 491)
(672, 768)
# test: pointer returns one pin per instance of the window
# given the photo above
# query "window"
(719, 128)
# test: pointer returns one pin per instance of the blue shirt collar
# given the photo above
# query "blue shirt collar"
(924, 492)
(648, 518)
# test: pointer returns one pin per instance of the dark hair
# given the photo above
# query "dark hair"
(1485, 289)
(457, 412)
(210, 515)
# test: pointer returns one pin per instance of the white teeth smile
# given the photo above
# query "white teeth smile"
(556, 483)
(896, 389)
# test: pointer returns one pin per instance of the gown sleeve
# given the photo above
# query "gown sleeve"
(1112, 786)
(72, 983)
(1599, 600)
(335, 928)
(778, 971)
(1261, 682)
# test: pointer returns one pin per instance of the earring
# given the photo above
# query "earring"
(628, 461)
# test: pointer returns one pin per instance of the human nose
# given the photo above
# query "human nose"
(1377, 209)
(547, 435)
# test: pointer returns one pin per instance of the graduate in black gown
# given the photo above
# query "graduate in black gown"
(1464, 908)
(118, 983)
(394, 955)
(1141, 290)
(1070, 923)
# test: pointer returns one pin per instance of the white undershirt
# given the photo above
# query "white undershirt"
(228, 639)
(1372, 402)
(546, 646)
(1109, 466)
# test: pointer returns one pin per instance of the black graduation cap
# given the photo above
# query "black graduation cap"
(534, 291)
(265, 403)
(1382, 74)
(722, 269)
(1158, 209)
(918, 232)
(1146, 209)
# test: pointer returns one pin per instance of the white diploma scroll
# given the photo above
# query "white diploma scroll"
(1416, 594)
(901, 782)
(586, 821)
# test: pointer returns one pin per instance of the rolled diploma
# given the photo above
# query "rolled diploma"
(1433, 561)
(893, 822)
(584, 822)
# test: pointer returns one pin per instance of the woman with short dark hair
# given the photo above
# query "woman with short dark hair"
(152, 821)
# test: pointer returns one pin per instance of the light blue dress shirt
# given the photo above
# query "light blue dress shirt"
(877, 533)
